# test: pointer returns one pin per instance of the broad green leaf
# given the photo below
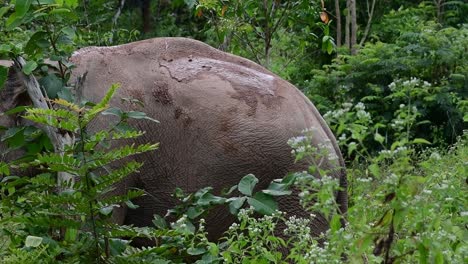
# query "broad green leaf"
(29, 67)
(3, 76)
(117, 246)
(71, 3)
(140, 115)
(4, 168)
(421, 141)
(69, 31)
(209, 198)
(194, 212)
(374, 169)
(22, 7)
(17, 109)
(52, 85)
(131, 205)
(289, 179)
(3, 10)
(247, 184)
(13, 21)
(37, 42)
(335, 223)
(59, 11)
(329, 47)
(106, 210)
(33, 241)
(263, 203)
(196, 251)
(379, 138)
(71, 234)
(159, 222)
(423, 253)
(113, 111)
(11, 132)
(236, 203)
(277, 189)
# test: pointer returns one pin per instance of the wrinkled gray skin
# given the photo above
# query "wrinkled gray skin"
(222, 117)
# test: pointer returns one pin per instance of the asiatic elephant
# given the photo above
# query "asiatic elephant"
(221, 117)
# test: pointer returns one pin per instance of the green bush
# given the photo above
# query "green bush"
(426, 69)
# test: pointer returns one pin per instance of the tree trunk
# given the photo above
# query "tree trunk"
(58, 139)
(370, 13)
(338, 23)
(146, 14)
(347, 25)
(353, 27)
(439, 4)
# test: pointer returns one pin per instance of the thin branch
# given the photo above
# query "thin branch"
(117, 14)
(59, 140)
(369, 22)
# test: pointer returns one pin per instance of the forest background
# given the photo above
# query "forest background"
(390, 78)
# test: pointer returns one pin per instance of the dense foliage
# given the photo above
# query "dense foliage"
(397, 105)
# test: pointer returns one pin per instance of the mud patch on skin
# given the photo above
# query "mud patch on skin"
(249, 98)
(180, 113)
(230, 147)
(161, 93)
(251, 86)
(186, 70)
(137, 94)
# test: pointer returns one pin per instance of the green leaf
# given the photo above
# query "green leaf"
(37, 42)
(421, 141)
(423, 253)
(4, 168)
(196, 251)
(58, 11)
(52, 85)
(329, 48)
(106, 210)
(277, 189)
(235, 204)
(17, 109)
(131, 205)
(379, 138)
(335, 223)
(374, 169)
(263, 203)
(22, 7)
(29, 67)
(140, 115)
(33, 241)
(3, 10)
(71, 3)
(209, 198)
(13, 21)
(194, 212)
(247, 184)
(117, 246)
(71, 234)
(3, 76)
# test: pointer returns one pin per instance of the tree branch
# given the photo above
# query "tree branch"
(369, 22)
(59, 140)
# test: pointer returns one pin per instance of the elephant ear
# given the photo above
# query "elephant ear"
(13, 92)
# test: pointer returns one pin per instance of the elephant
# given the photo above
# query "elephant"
(221, 117)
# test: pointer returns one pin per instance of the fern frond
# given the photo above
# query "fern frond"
(115, 176)
(100, 159)
(58, 118)
(101, 106)
(68, 105)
